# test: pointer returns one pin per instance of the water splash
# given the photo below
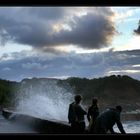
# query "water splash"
(44, 99)
(130, 127)
(12, 127)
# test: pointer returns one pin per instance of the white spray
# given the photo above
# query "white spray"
(44, 99)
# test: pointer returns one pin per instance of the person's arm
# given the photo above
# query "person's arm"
(88, 115)
(82, 110)
(119, 124)
(69, 113)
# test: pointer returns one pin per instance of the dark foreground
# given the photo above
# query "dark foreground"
(42, 126)
(38, 124)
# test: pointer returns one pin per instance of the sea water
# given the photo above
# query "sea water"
(129, 127)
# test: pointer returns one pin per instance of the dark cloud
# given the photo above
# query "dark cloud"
(33, 26)
(137, 31)
(89, 31)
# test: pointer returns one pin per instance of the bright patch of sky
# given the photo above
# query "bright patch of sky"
(126, 20)
(123, 71)
(14, 47)
(138, 65)
(77, 50)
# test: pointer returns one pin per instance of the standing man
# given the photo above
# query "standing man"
(106, 120)
(76, 115)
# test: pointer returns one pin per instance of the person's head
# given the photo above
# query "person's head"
(119, 108)
(94, 101)
(78, 98)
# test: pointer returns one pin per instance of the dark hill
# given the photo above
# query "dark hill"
(111, 90)
(7, 92)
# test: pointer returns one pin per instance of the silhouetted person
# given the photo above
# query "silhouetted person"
(106, 120)
(93, 112)
(76, 115)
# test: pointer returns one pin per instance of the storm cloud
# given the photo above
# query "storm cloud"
(90, 31)
(49, 27)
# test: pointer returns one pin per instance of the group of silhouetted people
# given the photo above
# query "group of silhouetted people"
(99, 123)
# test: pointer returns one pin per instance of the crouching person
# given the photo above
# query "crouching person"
(106, 120)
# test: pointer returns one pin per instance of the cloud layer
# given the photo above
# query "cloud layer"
(82, 65)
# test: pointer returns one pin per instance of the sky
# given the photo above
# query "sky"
(62, 42)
